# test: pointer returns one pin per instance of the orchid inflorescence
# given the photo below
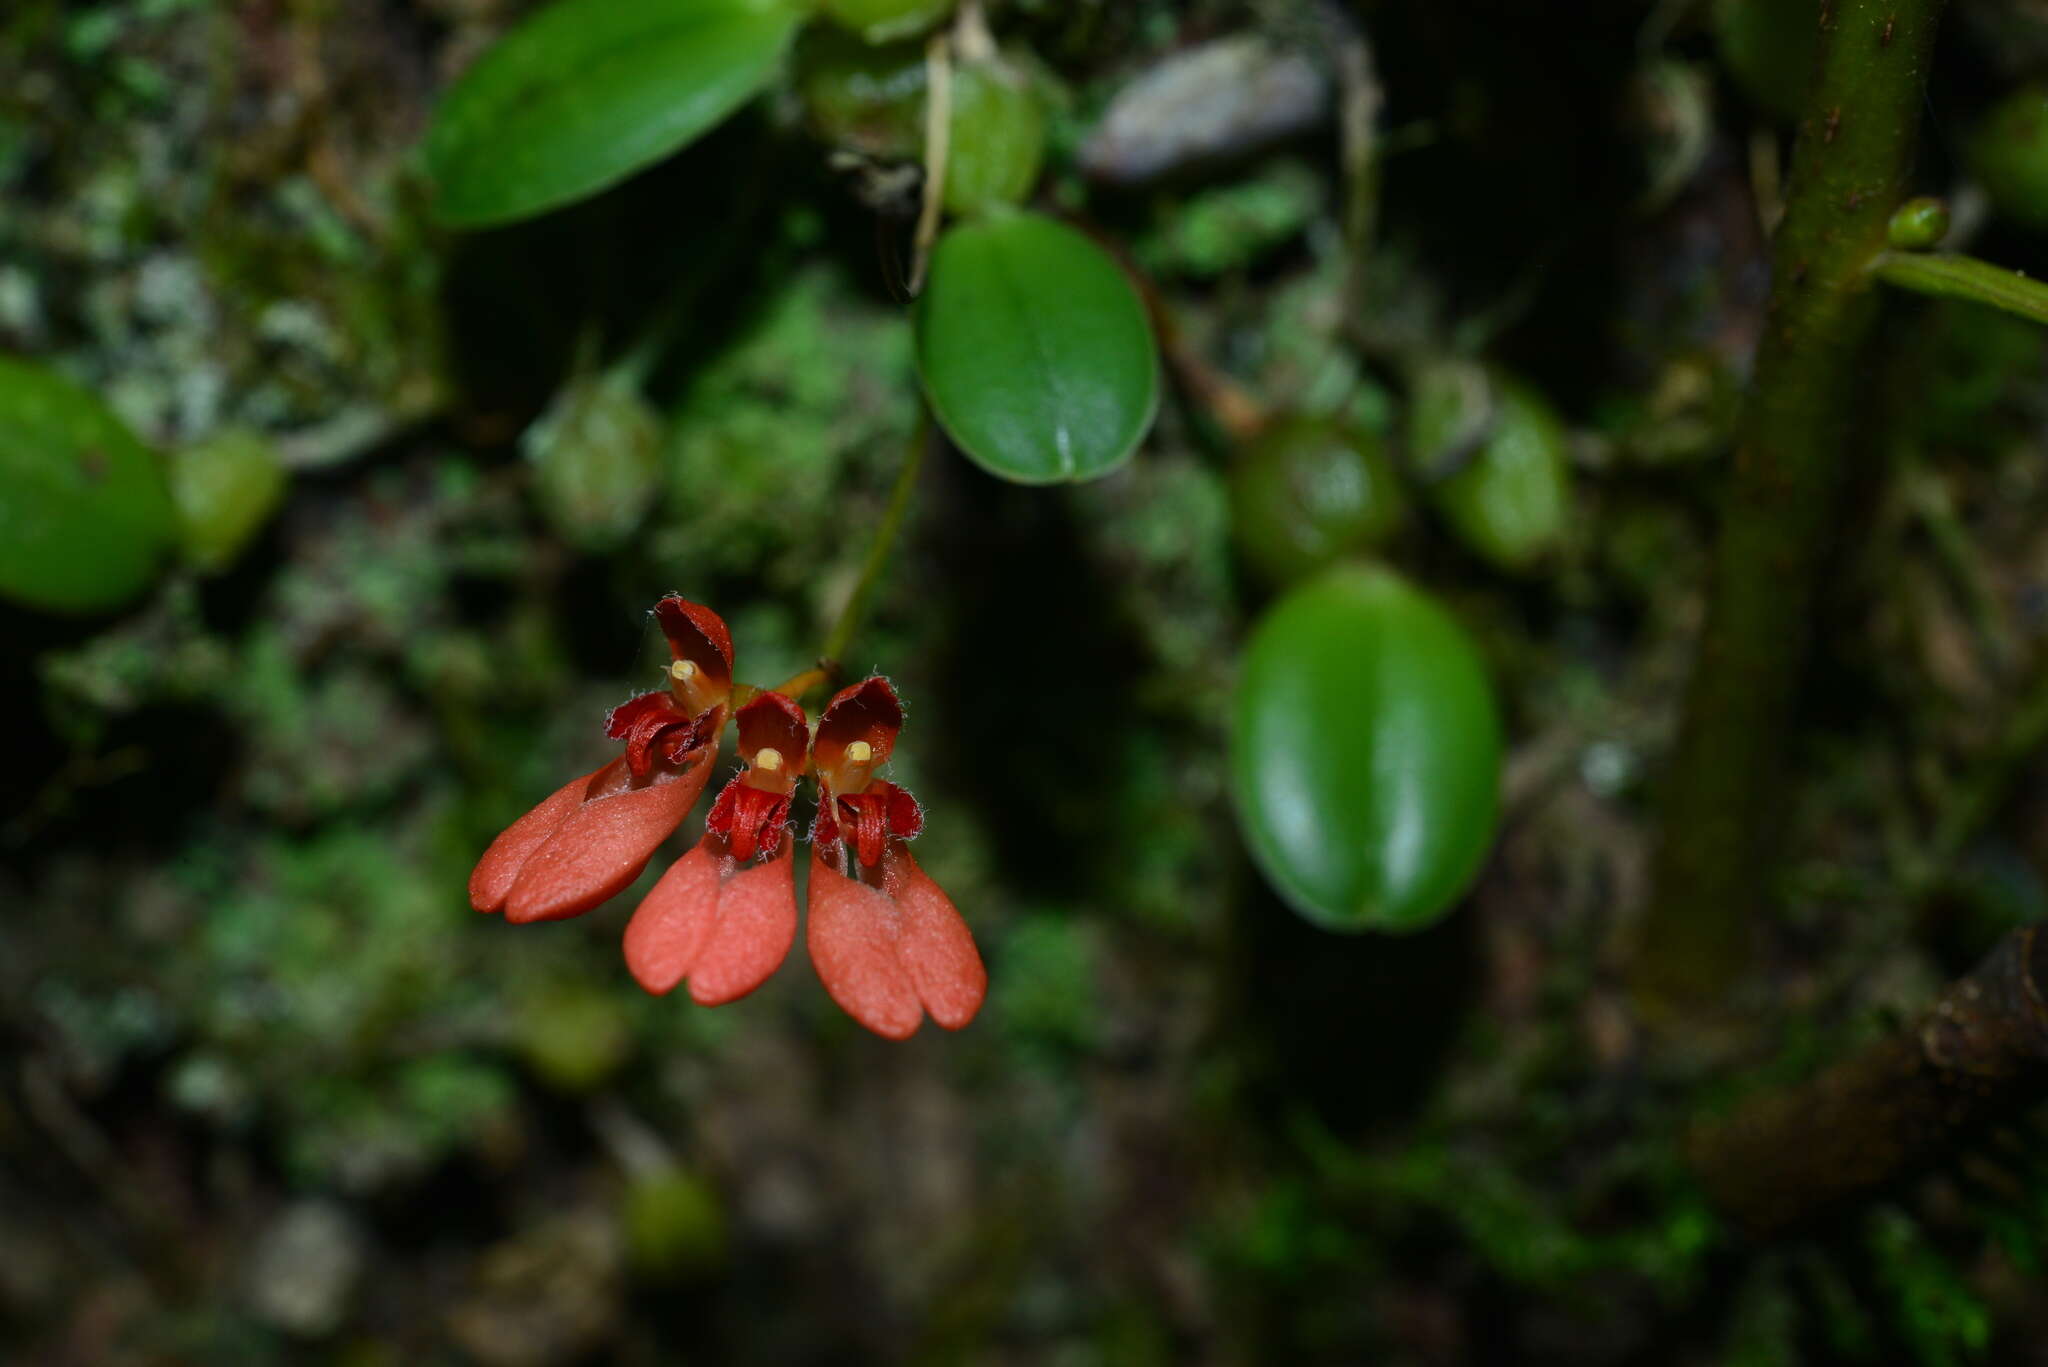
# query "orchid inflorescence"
(888, 944)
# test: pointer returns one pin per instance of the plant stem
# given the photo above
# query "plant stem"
(1786, 1159)
(1849, 170)
(827, 671)
(1950, 276)
(879, 549)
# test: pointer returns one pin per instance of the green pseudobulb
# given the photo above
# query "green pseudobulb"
(1307, 492)
(1497, 460)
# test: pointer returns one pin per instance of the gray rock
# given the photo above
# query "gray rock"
(304, 1269)
(1209, 103)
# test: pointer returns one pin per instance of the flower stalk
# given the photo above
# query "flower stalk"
(846, 626)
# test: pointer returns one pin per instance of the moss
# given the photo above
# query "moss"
(1047, 996)
(1226, 228)
(817, 386)
(1941, 1320)
(674, 1226)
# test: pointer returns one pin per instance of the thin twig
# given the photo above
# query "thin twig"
(827, 671)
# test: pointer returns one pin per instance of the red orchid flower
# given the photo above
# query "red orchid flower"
(724, 915)
(589, 840)
(887, 943)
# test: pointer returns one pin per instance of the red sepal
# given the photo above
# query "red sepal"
(867, 711)
(722, 925)
(499, 868)
(697, 634)
(775, 720)
(597, 847)
(890, 952)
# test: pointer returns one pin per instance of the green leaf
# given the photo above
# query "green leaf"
(587, 92)
(1365, 753)
(1035, 351)
(85, 517)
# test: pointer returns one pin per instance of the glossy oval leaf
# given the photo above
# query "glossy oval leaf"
(1365, 752)
(586, 92)
(1035, 351)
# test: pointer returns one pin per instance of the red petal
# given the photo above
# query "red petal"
(640, 755)
(934, 942)
(853, 947)
(623, 718)
(603, 846)
(719, 819)
(495, 873)
(753, 930)
(870, 826)
(675, 747)
(825, 830)
(906, 818)
(672, 922)
(757, 818)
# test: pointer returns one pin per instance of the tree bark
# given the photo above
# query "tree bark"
(1788, 1159)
